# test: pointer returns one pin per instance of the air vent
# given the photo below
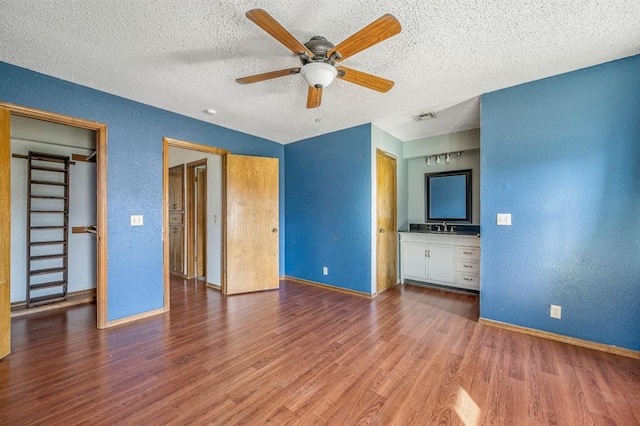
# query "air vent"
(425, 116)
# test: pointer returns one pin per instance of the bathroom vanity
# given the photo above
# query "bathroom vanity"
(444, 258)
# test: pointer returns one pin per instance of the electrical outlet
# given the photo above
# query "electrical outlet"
(504, 219)
(325, 270)
(136, 220)
(555, 311)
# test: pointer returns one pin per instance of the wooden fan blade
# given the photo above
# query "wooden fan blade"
(366, 80)
(377, 31)
(265, 21)
(267, 76)
(314, 97)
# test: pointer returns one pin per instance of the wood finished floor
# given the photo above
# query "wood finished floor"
(305, 355)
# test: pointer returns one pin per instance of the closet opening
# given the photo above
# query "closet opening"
(52, 213)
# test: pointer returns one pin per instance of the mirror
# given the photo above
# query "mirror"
(448, 196)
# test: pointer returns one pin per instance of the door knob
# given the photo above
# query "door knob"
(274, 230)
(381, 230)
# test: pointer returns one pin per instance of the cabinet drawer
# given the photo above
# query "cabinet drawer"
(468, 266)
(468, 281)
(175, 219)
(468, 253)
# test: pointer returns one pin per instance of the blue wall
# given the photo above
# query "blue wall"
(135, 132)
(562, 155)
(328, 208)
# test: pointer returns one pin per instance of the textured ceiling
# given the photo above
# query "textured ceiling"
(184, 56)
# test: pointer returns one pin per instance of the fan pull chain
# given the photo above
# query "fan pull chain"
(318, 120)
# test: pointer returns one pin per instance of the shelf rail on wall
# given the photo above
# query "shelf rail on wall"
(47, 228)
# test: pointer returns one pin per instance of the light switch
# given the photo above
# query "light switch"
(504, 219)
(136, 220)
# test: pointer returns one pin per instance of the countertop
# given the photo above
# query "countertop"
(428, 228)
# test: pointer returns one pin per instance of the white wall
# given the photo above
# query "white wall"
(394, 146)
(214, 206)
(34, 135)
(441, 144)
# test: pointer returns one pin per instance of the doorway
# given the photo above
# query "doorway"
(193, 206)
(386, 220)
(7, 111)
(247, 220)
(197, 201)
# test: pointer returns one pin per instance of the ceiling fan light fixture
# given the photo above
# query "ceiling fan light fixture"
(318, 74)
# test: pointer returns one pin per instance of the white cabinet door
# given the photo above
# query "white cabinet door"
(414, 260)
(441, 262)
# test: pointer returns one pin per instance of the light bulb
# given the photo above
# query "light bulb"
(438, 159)
(448, 158)
(428, 161)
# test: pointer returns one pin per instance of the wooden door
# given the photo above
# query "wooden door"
(176, 254)
(387, 232)
(251, 217)
(201, 222)
(5, 232)
(176, 188)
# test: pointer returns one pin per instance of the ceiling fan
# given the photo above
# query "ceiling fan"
(319, 56)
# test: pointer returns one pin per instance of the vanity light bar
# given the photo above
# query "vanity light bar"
(447, 157)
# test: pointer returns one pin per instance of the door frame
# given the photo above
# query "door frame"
(101, 198)
(177, 143)
(192, 216)
(394, 196)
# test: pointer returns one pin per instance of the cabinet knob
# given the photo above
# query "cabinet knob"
(381, 230)
(274, 230)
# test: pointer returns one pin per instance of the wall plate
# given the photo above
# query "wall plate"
(137, 220)
(504, 219)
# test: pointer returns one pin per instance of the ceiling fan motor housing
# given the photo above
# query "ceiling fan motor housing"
(319, 46)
